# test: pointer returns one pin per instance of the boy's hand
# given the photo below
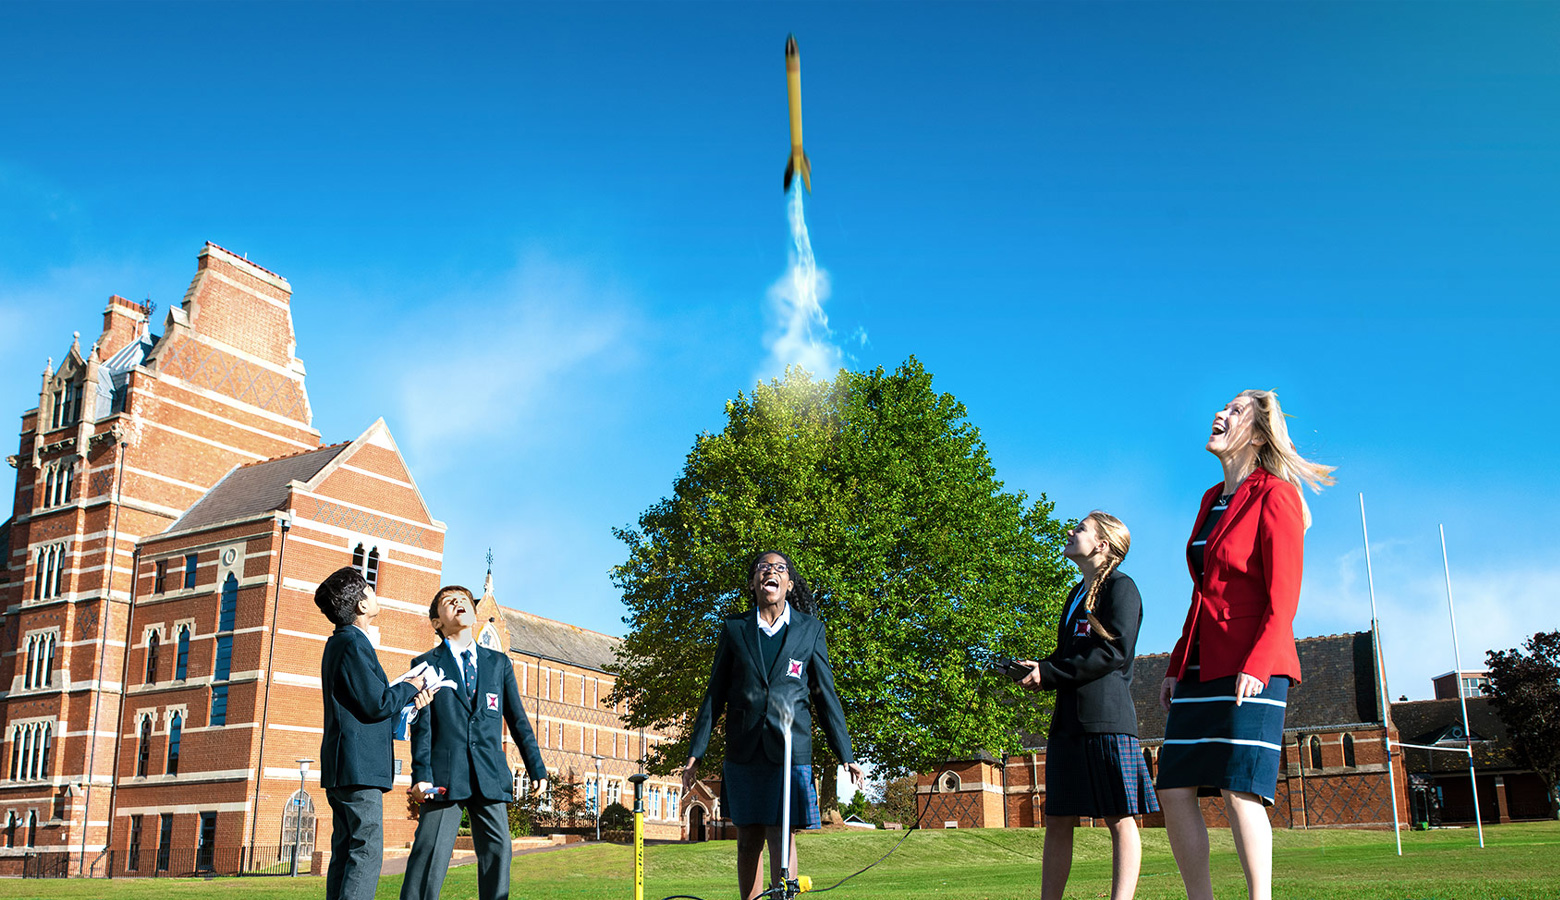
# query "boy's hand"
(420, 790)
(423, 698)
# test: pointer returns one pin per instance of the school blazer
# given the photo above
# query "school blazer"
(459, 746)
(360, 707)
(756, 702)
(1243, 607)
(1092, 674)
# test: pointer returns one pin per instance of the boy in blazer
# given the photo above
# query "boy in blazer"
(458, 759)
(357, 764)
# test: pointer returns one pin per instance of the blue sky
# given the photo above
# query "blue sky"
(540, 241)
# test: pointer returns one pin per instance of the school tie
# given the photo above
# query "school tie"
(470, 665)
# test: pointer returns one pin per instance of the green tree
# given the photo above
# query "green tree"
(857, 805)
(882, 492)
(1525, 691)
(894, 800)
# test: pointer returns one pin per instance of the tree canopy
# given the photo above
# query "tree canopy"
(1525, 691)
(882, 492)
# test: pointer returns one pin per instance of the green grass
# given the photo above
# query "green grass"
(1521, 862)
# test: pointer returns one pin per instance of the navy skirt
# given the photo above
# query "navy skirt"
(1212, 744)
(750, 793)
(1097, 775)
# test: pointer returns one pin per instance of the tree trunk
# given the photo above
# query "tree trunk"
(829, 791)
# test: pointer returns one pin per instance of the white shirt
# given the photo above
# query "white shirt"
(780, 622)
(460, 655)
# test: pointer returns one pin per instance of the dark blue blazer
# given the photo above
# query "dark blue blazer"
(756, 701)
(360, 708)
(459, 746)
(1092, 674)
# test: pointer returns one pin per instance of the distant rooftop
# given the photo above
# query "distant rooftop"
(255, 488)
(558, 641)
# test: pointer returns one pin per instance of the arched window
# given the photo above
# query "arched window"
(175, 737)
(27, 751)
(16, 752)
(1348, 750)
(1316, 751)
(298, 825)
(41, 765)
(371, 569)
(152, 644)
(949, 782)
(181, 662)
(32, 828)
(10, 829)
(143, 753)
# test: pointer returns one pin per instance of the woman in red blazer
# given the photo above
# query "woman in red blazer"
(1228, 680)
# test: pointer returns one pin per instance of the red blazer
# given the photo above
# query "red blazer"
(1243, 608)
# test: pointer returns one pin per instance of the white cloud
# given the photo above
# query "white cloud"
(475, 369)
(1497, 606)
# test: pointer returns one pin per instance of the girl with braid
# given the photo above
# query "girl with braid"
(1093, 763)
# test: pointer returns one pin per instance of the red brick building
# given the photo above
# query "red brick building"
(1333, 772)
(174, 511)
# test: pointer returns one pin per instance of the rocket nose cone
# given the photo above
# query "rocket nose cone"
(790, 46)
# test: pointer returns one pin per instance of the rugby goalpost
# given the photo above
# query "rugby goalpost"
(1381, 680)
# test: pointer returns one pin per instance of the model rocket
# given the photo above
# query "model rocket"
(793, 83)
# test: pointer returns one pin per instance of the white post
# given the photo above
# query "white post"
(1457, 676)
(785, 812)
(1381, 675)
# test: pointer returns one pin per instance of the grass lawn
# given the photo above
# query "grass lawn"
(1521, 862)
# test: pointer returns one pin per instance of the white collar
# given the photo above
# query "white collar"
(457, 651)
(781, 621)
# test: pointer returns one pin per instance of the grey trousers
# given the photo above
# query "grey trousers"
(435, 844)
(357, 842)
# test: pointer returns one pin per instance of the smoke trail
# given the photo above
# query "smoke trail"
(800, 335)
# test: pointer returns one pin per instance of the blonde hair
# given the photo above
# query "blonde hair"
(1277, 453)
(1118, 540)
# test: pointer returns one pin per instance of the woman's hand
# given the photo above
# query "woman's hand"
(1031, 681)
(1247, 686)
(690, 774)
(857, 776)
(1166, 691)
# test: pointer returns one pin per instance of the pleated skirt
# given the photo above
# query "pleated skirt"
(1097, 775)
(1212, 744)
(751, 795)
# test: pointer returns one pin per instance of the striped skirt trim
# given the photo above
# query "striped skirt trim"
(1213, 745)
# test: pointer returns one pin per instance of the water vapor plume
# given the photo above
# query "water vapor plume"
(799, 335)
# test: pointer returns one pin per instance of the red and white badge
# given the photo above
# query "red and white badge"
(492, 700)
(1081, 628)
(794, 669)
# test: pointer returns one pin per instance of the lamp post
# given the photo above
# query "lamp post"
(597, 798)
(303, 774)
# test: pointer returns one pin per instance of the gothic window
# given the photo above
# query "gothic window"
(10, 829)
(175, 737)
(190, 562)
(949, 782)
(298, 825)
(40, 661)
(181, 662)
(1348, 750)
(358, 556)
(49, 574)
(143, 752)
(16, 752)
(371, 569)
(153, 643)
(32, 828)
(1315, 744)
(41, 761)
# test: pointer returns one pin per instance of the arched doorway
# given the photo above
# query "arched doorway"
(696, 833)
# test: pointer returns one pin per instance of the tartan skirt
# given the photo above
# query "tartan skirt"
(1212, 744)
(750, 795)
(1097, 775)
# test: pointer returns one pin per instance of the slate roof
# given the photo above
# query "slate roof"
(1338, 686)
(256, 488)
(558, 641)
(1427, 721)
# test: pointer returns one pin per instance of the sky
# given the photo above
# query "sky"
(547, 243)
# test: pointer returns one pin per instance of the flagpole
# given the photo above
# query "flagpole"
(1457, 676)
(1381, 674)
